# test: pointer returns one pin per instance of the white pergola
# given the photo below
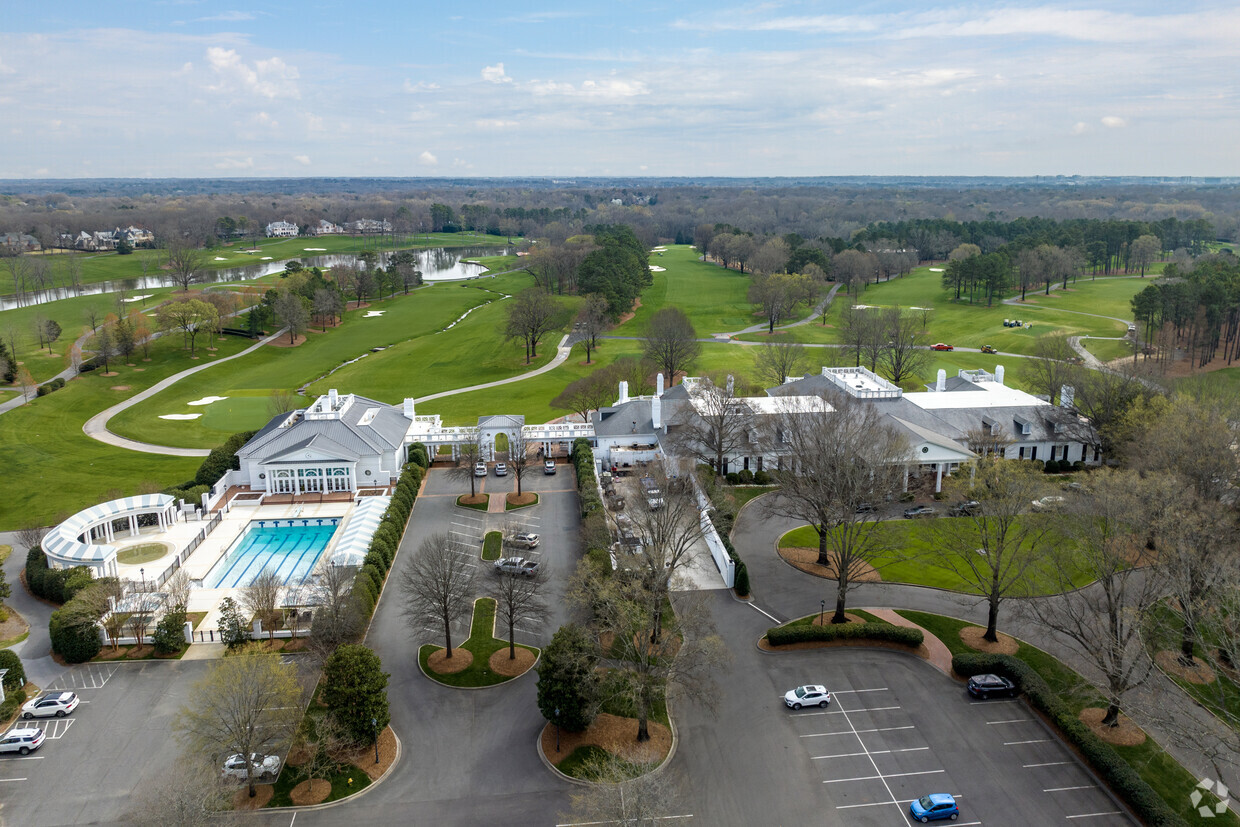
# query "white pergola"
(75, 542)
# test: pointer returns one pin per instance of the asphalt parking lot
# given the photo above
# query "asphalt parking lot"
(896, 730)
(93, 760)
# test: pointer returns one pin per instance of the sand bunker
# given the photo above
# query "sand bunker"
(658, 249)
(936, 269)
(180, 416)
(266, 258)
(207, 400)
(139, 298)
(220, 258)
(315, 249)
(370, 313)
(654, 268)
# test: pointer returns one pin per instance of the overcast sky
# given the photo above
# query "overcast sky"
(617, 87)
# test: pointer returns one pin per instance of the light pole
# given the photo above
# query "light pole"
(557, 729)
(142, 574)
(374, 725)
(822, 610)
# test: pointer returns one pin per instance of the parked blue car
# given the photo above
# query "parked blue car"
(934, 806)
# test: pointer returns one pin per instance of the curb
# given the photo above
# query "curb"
(671, 752)
(309, 808)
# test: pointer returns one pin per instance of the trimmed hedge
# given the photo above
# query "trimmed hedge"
(11, 704)
(368, 582)
(56, 585)
(784, 635)
(1117, 773)
(582, 457)
(15, 679)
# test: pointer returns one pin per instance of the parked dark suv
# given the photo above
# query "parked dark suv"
(983, 686)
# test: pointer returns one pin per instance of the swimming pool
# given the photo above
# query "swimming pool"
(289, 547)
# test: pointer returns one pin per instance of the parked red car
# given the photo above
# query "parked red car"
(941, 346)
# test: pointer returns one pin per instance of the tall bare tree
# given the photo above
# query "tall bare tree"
(337, 618)
(1051, 366)
(996, 546)
(838, 459)
(641, 796)
(248, 703)
(438, 586)
(520, 463)
(1103, 621)
(591, 321)
(519, 601)
(469, 454)
(532, 314)
(589, 393)
(714, 425)
(905, 355)
(261, 598)
(185, 261)
(671, 342)
(776, 361)
(187, 792)
(668, 535)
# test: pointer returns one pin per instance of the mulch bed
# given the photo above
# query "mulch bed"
(295, 644)
(1199, 673)
(501, 664)
(616, 735)
(971, 636)
(477, 499)
(109, 653)
(364, 757)
(262, 794)
(441, 664)
(15, 626)
(527, 498)
(920, 651)
(806, 559)
(307, 793)
(1127, 734)
(136, 652)
(283, 342)
(824, 618)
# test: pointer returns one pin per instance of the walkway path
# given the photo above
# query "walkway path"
(561, 356)
(97, 426)
(817, 311)
(66, 374)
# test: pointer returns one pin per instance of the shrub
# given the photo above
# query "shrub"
(374, 558)
(232, 630)
(419, 455)
(742, 580)
(75, 579)
(16, 677)
(1118, 774)
(761, 478)
(169, 634)
(75, 637)
(11, 704)
(58, 382)
(222, 459)
(355, 692)
(568, 679)
(745, 476)
(783, 635)
(733, 478)
(42, 390)
(365, 595)
(376, 577)
(56, 585)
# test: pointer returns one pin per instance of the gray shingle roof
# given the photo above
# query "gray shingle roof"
(347, 436)
(618, 420)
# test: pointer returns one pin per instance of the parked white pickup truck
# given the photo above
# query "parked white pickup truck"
(516, 565)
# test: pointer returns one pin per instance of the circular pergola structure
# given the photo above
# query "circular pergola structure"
(86, 538)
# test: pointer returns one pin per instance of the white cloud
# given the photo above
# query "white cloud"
(428, 159)
(271, 78)
(235, 163)
(1113, 122)
(1080, 128)
(423, 86)
(228, 17)
(494, 123)
(304, 160)
(495, 74)
(611, 88)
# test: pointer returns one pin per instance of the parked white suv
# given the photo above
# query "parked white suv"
(480, 469)
(22, 740)
(266, 767)
(49, 704)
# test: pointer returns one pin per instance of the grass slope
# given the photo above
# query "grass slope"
(713, 298)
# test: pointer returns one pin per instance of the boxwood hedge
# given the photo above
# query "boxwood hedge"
(800, 633)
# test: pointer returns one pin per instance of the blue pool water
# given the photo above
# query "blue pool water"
(289, 547)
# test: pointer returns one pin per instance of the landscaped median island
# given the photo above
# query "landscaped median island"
(863, 629)
(1132, 764)
(482, 660)
(492, 545)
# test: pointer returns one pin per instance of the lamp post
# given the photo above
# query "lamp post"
(374, 724)
(142, 574)
(557, 729)
(822, 610)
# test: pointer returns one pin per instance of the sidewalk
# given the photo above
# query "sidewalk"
(940, 656)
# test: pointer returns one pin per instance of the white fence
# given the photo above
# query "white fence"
(723, 560)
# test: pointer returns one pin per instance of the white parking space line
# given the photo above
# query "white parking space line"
(855, 691)
(1011, 721)
(1046, 764)
(57, 728)
(1096, 815)
(872, 752)
(773, 618)
(856, 731)
(1065, 789)
(841, 712)
(24, 758)
(1033, 741)
(12, 779)
(888, 775)
(993, 703)
(589, 823)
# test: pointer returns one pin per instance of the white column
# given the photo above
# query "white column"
(906, 478)
(133, 526)
(938, 477)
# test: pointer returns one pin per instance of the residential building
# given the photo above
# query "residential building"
(325, 227)
(282, 229)
(369, 226)
(19, 243)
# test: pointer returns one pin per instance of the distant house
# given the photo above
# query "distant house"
(369, 226)
(19, 243)
(325, 227)
(135, 236)
(281, 229)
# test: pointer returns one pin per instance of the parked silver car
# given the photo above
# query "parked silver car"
(266, 767)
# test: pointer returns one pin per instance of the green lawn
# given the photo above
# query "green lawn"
(492, 545)
(481, 644)
(915, 549)
(1105, 296)
(1108, 349)
(713, 298)
(1162, 772)
(959, 323)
